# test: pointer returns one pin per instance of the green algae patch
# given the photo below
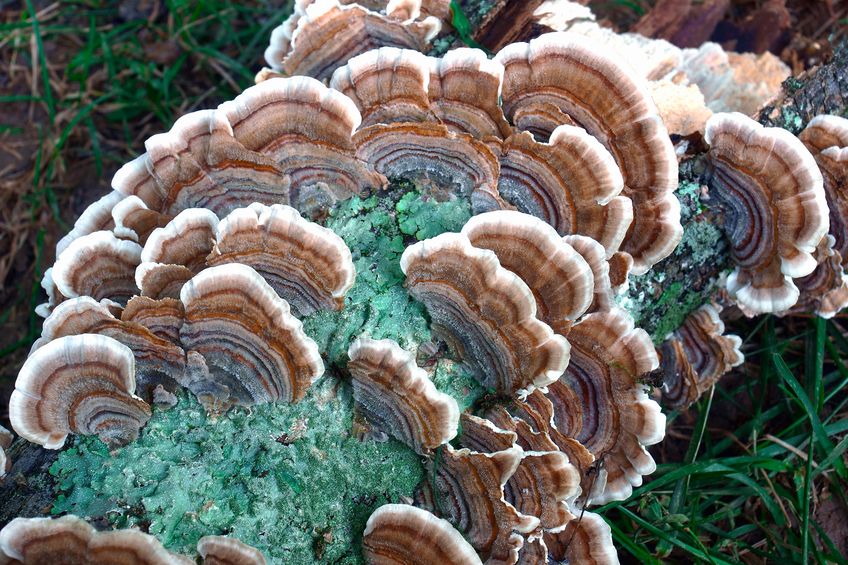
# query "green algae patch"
(283, 478)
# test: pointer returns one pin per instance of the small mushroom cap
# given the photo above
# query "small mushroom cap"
(82, 384)
(487, 313)
(397, 534)
(594, 255)
(542, 486)
(558, 276)
(98, 265)
(775, 208)
(308, 265)
(327, 34)
(825, 131)
(568, 75)
(534, 551)
(430, 153)
(825, 290)
(134, 220)
(223, 550)
(697, 354)
(572, 182)
(97, 217)
(600, 402)
(163, 317)
(186, 240)
(398, 396)
(471, 486)
(244, 345)
(587, 539)
(481, 434)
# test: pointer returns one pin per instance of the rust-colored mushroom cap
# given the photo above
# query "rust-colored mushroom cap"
(471, 486)
(485, 312)
(572, 182)
(308, 265)
(69, 539)
(157, 360)
(772, 195)
(397, 534)
(825, 131)
(696, 355)
(561, 78)
(163, 317)
(98, 265)
(427, 152)
(600, 402)
(134, 220)
(587, 539)
(559, 278)
(398, 396)
(243, 345)
(82, 384)
(223, 550)
(481, 434)
(323, 35)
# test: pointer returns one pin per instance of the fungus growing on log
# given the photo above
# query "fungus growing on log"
(80, 384)
(696, 355)
(559, 278)
(398, 396)
(471, 486)
(771, 191)
(223, 550)
(243, 345)
(561, 78)
(98, 265)
(397, 534)
(485, 312)
(307, 265)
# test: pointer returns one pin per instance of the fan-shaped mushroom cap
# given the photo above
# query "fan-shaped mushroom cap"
(54, 297)
(534, 551)
(98, 265)
(825, 131)
(594, 255)
(558, 276)
(69, 539)
(470, 488)
(158, 360)
(397, 534)
(162, 317)
(398, 396)
(427, 152)
(487, 314)
(481, 434)
(244, 346)
(600, 402)
(775, 208)
(6, 438)
(326, 34)
(464, 89)
(561, 74)
(308, 265)
(572, 182)
(97, 217)
(825, 291)
(134, 220)
(696, 355)
(222, 550)
(587, 539)
(387, 85)
(542, 484)
(82, 384)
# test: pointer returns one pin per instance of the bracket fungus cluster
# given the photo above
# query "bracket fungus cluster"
(201, 267)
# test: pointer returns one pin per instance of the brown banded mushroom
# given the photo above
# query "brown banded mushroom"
(135, 221)
(562, 78)
(559, 278)
(322, 35)
(595, 256)
(469, 489)
(456, 163)
(696, 355)
(81, 384)
(397, 534)
(481, 434)
(6, 438)
(158, 361)
(775, 211)
(69, 539)
(543, 485)
(600, 401)
(534, 551)
(98, 265)
(308, 265)
(572, 182)
(485, 313)
(243, 345)
(587, 539)
(97, 217)
(825, 290)
(398, 396)
(223, 550)
(162, 317)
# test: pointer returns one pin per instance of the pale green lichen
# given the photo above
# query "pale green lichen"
(290, 479)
